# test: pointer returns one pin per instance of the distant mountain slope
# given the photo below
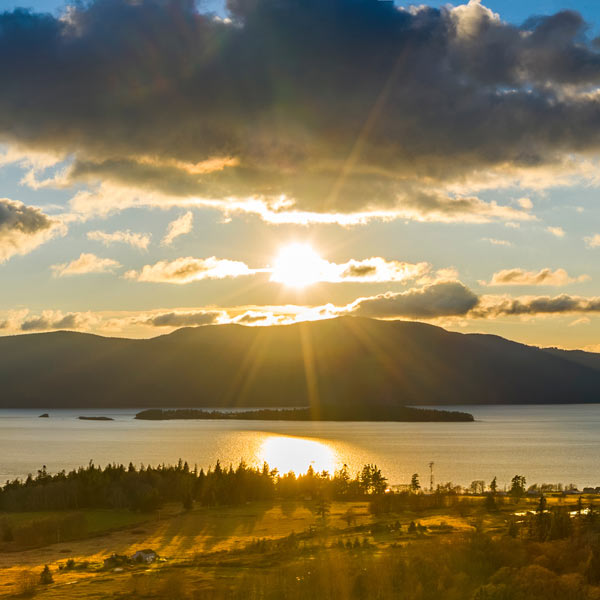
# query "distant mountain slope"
(345, 362)
(587, 359)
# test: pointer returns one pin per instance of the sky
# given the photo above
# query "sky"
(165, 163)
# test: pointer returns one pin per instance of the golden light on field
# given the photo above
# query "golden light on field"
(297, 454)
(297, 265)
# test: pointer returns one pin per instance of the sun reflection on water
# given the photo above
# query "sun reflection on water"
(297, 454)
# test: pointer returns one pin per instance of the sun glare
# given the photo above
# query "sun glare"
(297, 265)
(297, 454)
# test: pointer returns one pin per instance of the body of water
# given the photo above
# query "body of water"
(546, 444)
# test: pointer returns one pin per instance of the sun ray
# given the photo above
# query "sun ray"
(310, 371)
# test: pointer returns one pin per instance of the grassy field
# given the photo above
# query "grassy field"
(205, 550)
(96, 520)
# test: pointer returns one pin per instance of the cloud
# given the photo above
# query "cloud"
(179, 226)
(56, 320)
(592, 241)
(184, 319)
(188, 269)
(454, 299)
(252, 317)
(369, 270)
(444, 299)
(137, 240)
(109, 198)
(374, 270)
(525, 203)
(496, 242)
(448, 303)
(542, 277)
(491, 307)
(580, 321)
(379, 116)
(559, 232)
(86, 263)
(446, 209)
(23, 228)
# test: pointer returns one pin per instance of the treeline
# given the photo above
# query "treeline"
(325, 413)
(263, 414)
(147, 488)
(556, 523)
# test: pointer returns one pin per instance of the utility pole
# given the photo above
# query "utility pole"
(431, 476)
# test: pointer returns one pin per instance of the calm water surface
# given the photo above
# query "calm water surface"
(544, 443)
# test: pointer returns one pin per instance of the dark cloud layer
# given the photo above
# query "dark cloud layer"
(343, 105)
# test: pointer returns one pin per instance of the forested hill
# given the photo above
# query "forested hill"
(345, 362)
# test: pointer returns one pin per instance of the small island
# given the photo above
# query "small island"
(95, 419)
(399, 413)
(44, 416)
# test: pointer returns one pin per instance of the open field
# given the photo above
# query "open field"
(212, 550)
(186, 537)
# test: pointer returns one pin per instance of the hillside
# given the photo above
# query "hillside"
(587, 359)
(346, 362)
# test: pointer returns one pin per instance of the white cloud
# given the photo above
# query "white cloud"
(433, 206)
(178, 227)
(471, 18)
(137, 240)
(86, 263)
(188, 269)
(559, 232)
(369, 270)
(525, 203)
(299, 258)
(545, 276)
(496, 242)
(592, 241)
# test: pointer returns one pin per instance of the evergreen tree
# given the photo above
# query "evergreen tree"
(517, 487)
(46, 576)
(415, 486)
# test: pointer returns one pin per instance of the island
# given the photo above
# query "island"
(95, 418)
(399, 413)
(44, 416)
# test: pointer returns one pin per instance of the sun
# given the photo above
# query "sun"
(297, 265)
(286, 453)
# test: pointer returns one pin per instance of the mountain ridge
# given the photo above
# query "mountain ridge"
(348, 362)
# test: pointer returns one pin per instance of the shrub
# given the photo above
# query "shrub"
(26, 583)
